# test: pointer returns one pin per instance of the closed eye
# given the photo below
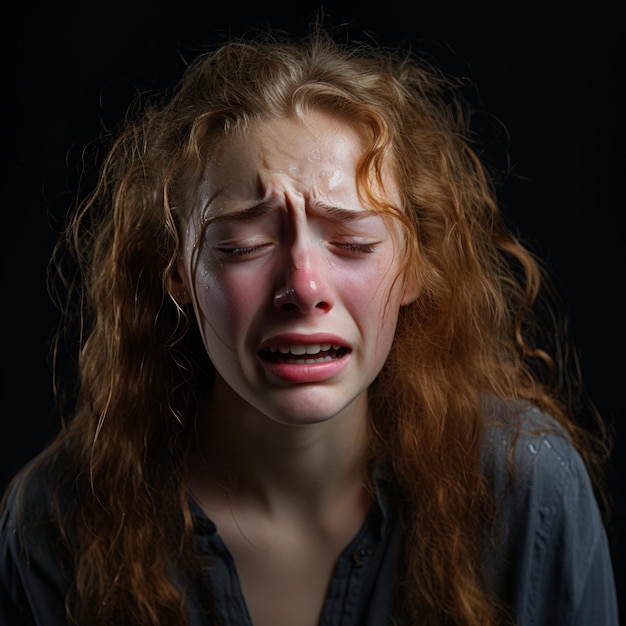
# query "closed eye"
(240, 251)
(356, 248)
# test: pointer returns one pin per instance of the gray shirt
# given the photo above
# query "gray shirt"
(551, 564)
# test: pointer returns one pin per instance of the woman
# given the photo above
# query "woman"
(311, 387)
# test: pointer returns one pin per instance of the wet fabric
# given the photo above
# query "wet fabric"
(551, 563)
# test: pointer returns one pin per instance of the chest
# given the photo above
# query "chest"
(285, 572)
(287, 585)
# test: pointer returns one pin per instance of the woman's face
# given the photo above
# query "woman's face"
(291, 276)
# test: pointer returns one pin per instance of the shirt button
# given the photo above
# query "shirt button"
(359, 556)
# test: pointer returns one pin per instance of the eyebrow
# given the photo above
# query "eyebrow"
(337, 214)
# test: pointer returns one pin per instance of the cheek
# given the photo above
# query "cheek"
(225, 298)
(372, 289)
(375, 299)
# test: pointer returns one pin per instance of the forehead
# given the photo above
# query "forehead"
(292, 147)
(314, 158)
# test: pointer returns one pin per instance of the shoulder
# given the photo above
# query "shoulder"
(536, 451)
(550, 557)
(28, 501)
(535, 470)
(34, 559)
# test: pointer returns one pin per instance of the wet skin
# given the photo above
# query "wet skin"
(290, 275)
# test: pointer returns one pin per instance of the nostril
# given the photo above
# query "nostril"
(285, 297)
(302, 293)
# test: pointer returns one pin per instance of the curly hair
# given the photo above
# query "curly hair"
(470, 334)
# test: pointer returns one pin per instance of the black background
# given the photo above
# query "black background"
(548, 70)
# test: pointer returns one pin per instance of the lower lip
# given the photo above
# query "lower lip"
(306, 372)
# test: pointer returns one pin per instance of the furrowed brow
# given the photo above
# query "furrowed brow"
(243, 215)
(334, 213)
(339, 214)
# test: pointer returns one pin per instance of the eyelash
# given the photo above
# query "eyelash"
(357, 248)
(240, 251)
(353, 248)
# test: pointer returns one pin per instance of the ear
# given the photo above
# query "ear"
(177, 284)
(411, 290)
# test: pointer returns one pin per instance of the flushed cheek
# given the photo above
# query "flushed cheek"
(226, 300)
(372, 285)
(373, 307)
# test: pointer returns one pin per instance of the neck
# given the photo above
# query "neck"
(275, 465)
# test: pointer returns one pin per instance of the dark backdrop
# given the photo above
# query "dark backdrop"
(548, 70)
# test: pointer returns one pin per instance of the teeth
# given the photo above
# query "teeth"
(299, 349)
(301, 353)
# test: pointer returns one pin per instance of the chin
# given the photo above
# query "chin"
(308, 409)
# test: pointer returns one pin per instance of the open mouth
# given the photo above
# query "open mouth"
(303, 353)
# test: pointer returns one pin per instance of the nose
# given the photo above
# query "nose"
(304, 283)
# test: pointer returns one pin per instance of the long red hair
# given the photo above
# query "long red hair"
(142, 365)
